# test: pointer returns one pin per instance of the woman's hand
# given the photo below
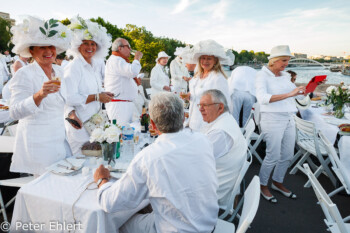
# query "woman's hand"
(186, 78)
(298, 91)
(185, 96)
(166, 88)
(48, 87)
(72, 115)
(105, 97)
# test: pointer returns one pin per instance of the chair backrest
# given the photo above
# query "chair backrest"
(338, 167)
(249, 131)
(6, 144)
(330, 210)
(236, 188)
(250, 206)
(308, 130)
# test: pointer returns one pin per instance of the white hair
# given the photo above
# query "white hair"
(117, 43)
(166, 111)
(217, 97)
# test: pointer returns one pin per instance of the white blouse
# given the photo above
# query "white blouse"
(267, 84)
(159, 79)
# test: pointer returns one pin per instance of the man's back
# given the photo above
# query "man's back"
(177, 174)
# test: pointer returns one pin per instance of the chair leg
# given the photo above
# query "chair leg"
(331, 194)
(317, 174)
(299, 164)
(254, 147)
(296, 157)
(324, 164)
(3, 208)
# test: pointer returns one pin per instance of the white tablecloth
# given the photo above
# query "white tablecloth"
(49, 200)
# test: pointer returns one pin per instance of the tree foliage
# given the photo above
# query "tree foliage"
(245, 57)
(5, 37)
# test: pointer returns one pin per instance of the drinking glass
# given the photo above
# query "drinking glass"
(56, 80)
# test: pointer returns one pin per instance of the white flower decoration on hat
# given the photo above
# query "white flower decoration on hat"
(37, 32)
(87, 30)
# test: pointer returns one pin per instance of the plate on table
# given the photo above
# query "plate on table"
(336, 121)
(344, 133)
(65, 167)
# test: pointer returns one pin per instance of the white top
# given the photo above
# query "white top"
(119, 77)
(177, 174)
(267, 84)
(100, 67)
(243, 79)
(215, 80)
(177, 71)
(82, 80)
(64, 63)
(159, 79)
(6, 94)
(40, 133)
(140, 101)
(229, 164)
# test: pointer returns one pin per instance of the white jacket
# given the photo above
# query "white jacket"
(214, 80)
(177, 71)
(159, 79)
(83, 80)
(40, 137)
(177, 174)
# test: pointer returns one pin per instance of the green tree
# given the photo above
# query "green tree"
(5, 37)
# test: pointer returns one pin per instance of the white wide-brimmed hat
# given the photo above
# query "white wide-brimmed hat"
(180, 50)
(303, 104)
(280, 51)
(210, 48)
(87, 30)
(230, 58)
(188, 56)
(162, 54)
(37, 32)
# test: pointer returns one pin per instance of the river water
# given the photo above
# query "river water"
(305, 74)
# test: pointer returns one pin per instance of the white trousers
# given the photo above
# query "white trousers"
(279, 132)
(122, 111)
(139, 223)
(239, 99)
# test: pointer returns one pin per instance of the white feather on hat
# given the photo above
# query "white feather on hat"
(87, 30)
(37, 32)
(230, 58)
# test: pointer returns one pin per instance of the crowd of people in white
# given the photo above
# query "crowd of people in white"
(188, 173)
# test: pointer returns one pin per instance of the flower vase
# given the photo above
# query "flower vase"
(339, 111)
(108, 151)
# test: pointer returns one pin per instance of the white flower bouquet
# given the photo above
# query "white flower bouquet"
(338, 96)
(109, 134)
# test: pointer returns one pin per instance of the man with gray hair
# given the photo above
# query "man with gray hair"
(176, 173)
(230, 146)
(119, 79)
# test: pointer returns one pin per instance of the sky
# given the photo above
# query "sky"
(314, 27)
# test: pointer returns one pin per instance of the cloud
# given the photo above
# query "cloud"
(182, 6)
(220, 9)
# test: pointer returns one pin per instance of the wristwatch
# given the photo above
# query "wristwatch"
(99, 181)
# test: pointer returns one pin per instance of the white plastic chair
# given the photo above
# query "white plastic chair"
(337, 167)
(249, 130)
(334, 221)
(6, 146)
(236, 191)
(250, 207)
(310, 144)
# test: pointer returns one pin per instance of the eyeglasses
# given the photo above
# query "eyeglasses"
(125, 46)
(205, 105)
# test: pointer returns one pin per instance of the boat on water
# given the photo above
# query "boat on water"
(346, 70)
(335, 68)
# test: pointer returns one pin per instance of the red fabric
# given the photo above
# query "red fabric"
(117, 100)
(118, 54)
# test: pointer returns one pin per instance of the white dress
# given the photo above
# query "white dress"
(40, 137)
(178, 70)
(214, 80)
(82, 80)
(158, 80)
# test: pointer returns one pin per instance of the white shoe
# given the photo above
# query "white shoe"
(271, 199)
(289, 195)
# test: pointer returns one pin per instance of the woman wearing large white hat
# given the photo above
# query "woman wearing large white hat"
(160, 75)
(210, 75)
(178, 71)
(276, 93)
(37, 101)
(85, 94)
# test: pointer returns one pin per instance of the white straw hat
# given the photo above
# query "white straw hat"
(280, 51)
(87, 30)
(230, 58)
(37, 32)
(210, 48)
(162, 54)
(303, 104)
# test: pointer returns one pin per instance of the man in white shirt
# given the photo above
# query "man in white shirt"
(230, 146)
(119, 76)
(176, 174)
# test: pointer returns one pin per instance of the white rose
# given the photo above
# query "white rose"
(96, 119)
(97, 135)
(330, 89)
(112, 134)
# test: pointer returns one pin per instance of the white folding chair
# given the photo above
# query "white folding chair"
(337, 167)
(236, 191)
(310, 144)
(334, 221)
(6, 146)
(249, 129)
(250, 207)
